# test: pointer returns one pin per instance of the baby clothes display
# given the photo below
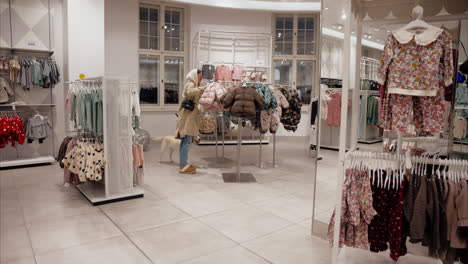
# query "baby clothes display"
(383, 208)
(460, 127)
(223, 73)
(208, 71)
(28, 72)
(356, 210)
(271, 119)
(238, 73)
(373, 103)
(11, 130)
(86, 160)
(291, 116)
(85, 106)
(208, 124)
(63, 151)
(415, 71)
(243, 101)
(5, 91)
(334, 108)
(211, 96)
(38, 128)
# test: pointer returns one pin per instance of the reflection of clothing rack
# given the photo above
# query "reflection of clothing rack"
(368, 134)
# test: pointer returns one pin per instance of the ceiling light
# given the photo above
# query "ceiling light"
(326, 8)
(343, 16)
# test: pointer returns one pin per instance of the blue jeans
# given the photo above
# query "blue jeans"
(184, 148)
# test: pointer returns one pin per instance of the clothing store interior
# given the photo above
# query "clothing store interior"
(247, 131)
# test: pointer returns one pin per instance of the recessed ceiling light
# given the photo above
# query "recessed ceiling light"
(343, 16)
(326, 8)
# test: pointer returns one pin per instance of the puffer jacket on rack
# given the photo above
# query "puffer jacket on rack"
(270, 120)
(292, 115)
(243, 102)
(211, 97)
(267, 94)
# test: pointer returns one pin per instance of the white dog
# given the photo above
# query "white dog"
(170, 143)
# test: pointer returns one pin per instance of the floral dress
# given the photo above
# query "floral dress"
(415, 72)
(356, 211)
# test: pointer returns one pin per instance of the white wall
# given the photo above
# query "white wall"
(85, 38)
(121, 39)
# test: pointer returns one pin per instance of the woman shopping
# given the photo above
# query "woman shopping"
(188, 125)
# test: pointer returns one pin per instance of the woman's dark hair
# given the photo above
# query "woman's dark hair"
(198, 71)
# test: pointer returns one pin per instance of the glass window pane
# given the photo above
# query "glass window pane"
(301, 23)
(305, 80)
(279, 22)
(288, 22)
(143, 13)
(143, 42)
(175, 44)
(288, 49)
(154, 43)
(283, 72)
(154, 14)
(175, 18)
(300, 48)
(301, 36)
(279, 36)
(309, 48)
(154, 29)
(279, 48)
(149, 79)
(173, 29)
(288, 35)
(173, 81)
(310, 23)
(143, 28)
(310, 36)
(167, 43)
(176, 33)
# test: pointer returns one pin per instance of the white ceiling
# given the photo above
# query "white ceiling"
(264, 5)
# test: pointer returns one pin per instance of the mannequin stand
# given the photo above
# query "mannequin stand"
(238, 176)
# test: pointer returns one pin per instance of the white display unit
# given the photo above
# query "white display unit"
(117, 183)
(250, 50)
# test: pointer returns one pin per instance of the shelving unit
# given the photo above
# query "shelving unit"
(117, 183)
(36, 100)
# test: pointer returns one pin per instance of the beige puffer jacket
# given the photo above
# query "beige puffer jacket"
(189, 121)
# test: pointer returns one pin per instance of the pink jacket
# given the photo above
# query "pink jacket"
(211, 97)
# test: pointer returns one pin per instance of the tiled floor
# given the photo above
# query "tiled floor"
(195, 219)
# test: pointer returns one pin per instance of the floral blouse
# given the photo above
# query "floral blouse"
(411, 62)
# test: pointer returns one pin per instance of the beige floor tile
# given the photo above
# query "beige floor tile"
(355, 256)
(204, 203)
(179, 242)
(291, 245)
(108, 251)
(251, 192)
(28, 260)
(289, 207)
(14, 244)
(11, 217)
(234, 255)
(70, 231)
(147, 199)
(245, 223)
(156, 213)
(57, 209)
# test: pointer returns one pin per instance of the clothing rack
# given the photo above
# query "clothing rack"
(29, 154)
(344, 131)
(117, 183)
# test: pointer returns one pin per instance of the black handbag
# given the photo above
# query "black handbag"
(188, 104)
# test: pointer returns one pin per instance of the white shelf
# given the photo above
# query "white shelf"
(26, 105)
(23, 162)
(234, 142)
(96, 195)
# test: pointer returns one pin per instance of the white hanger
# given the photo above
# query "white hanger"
(417, 23)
